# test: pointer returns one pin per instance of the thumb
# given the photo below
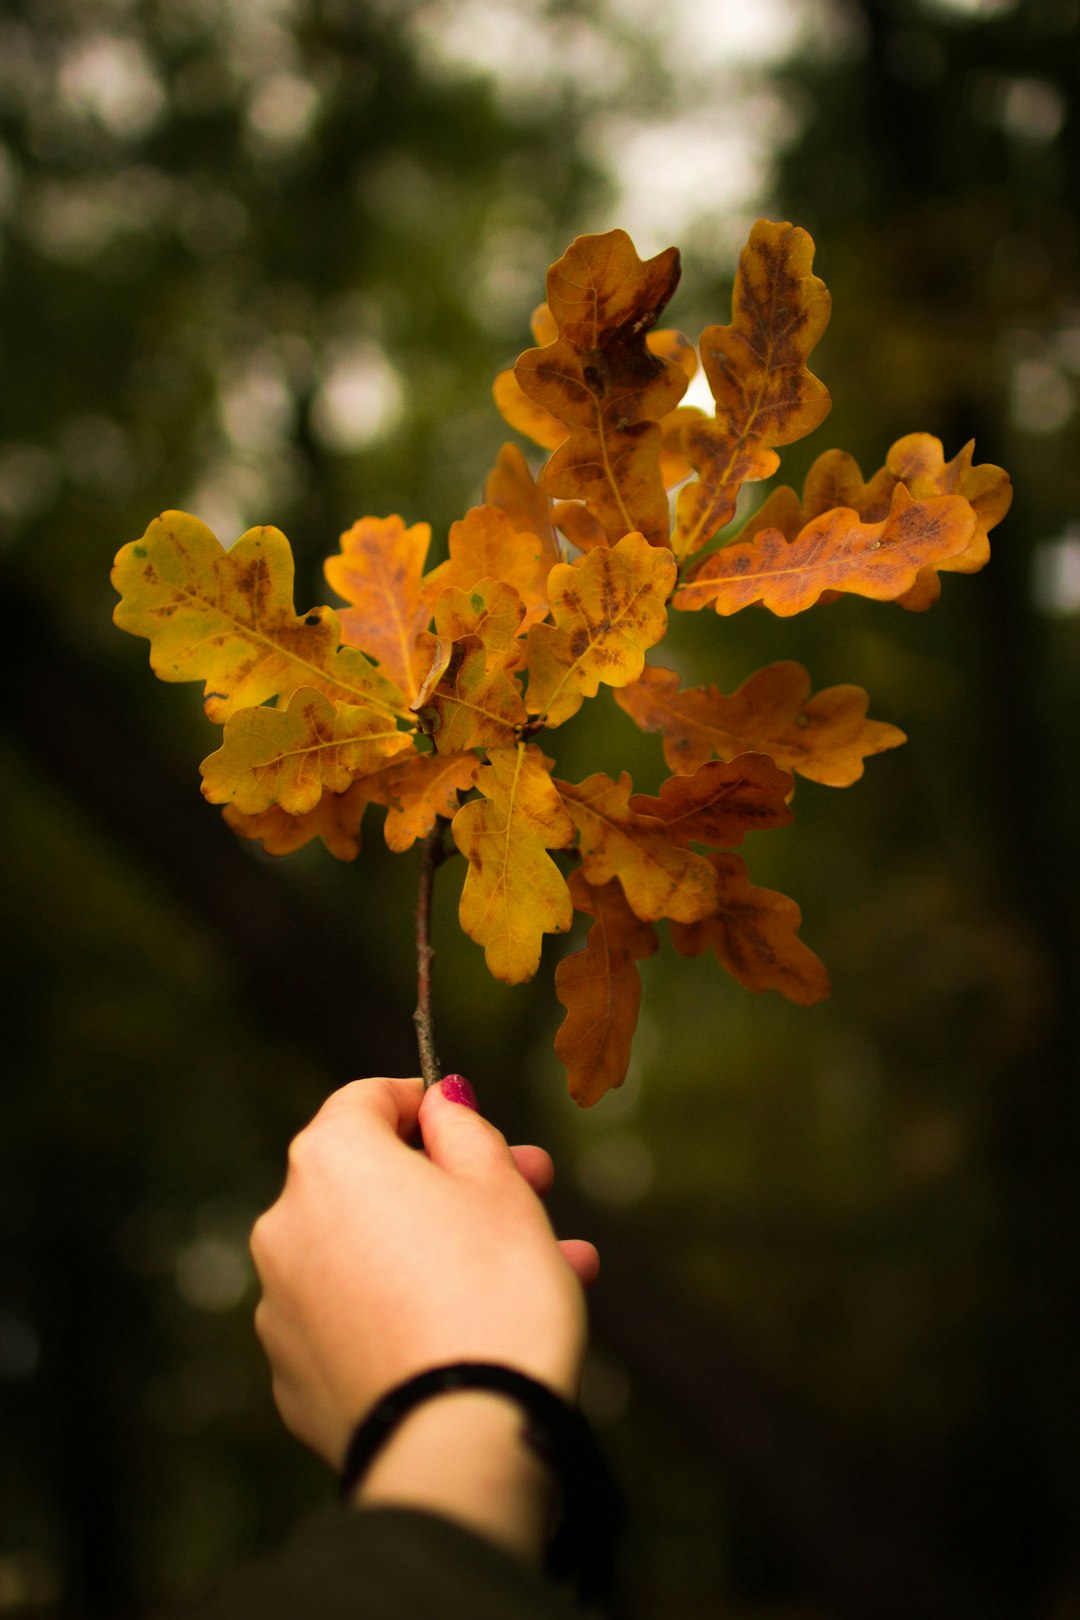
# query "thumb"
(456, 1136)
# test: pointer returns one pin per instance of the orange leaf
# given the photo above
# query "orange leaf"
(291, 756)
(919, 462)
(668, 344)
(378, 574)
(608, 608)
(754, 932)
(491, 611)
(824, 738)
(335, 819)
(756, 367)
(471, 704)
(511, 487)
(834, 552)
(581, 527)
(659, 877)
(675, 464)
(227, 618)
(549, 433)
(416, 790)
(525, 415)
(721, 802)
(600, 987)
(543, 325)
(601, 381)
(514, 893)
(485, 545)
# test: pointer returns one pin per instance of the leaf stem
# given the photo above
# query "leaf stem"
(433, 854)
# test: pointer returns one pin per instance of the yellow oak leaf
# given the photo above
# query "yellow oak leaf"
(514, 893)
(756, 367)
(335, 819)
(511, 487)
(291, 756)
(474, 703)
(485, 545)
(754, 933)
(608, 609)
(415, 790)
(378, 574)
(721, 801)
(602, 382)
(660, 877)
(600, 987)
(824, 738)
(227, 618)
(834, 552)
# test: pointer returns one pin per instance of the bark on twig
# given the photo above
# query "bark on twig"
(432, 857)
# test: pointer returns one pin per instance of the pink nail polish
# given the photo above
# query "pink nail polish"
(455, 1088)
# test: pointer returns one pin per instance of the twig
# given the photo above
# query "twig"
(432, 857)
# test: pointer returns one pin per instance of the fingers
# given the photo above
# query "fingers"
(583, 1259)
(376, 1103)
(458, 1139)
(534, 1164)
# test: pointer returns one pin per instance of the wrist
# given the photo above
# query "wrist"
(462, 1454)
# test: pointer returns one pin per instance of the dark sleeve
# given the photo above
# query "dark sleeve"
(387, 1564)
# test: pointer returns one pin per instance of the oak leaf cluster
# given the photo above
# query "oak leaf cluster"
(431, 691)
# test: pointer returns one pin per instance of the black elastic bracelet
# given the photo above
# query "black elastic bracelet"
(583, 1543)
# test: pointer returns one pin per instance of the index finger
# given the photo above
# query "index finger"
(377, 1103)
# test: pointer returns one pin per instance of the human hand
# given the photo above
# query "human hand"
(377, 1261)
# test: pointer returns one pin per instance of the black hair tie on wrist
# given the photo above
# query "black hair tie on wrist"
(557, 1432)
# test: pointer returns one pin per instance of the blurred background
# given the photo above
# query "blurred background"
(260, 260)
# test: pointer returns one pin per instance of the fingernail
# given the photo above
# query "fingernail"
(455, 1088)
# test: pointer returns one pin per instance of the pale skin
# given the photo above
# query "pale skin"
(378, 1261)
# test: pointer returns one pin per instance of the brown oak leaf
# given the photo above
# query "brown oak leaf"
(824, 738)
(659, 876)
(918, 461)
(600, 987)
(754, 933)
(721, 801)
(834, 552)
(581, 527)
(765, 395)
(602, 382)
